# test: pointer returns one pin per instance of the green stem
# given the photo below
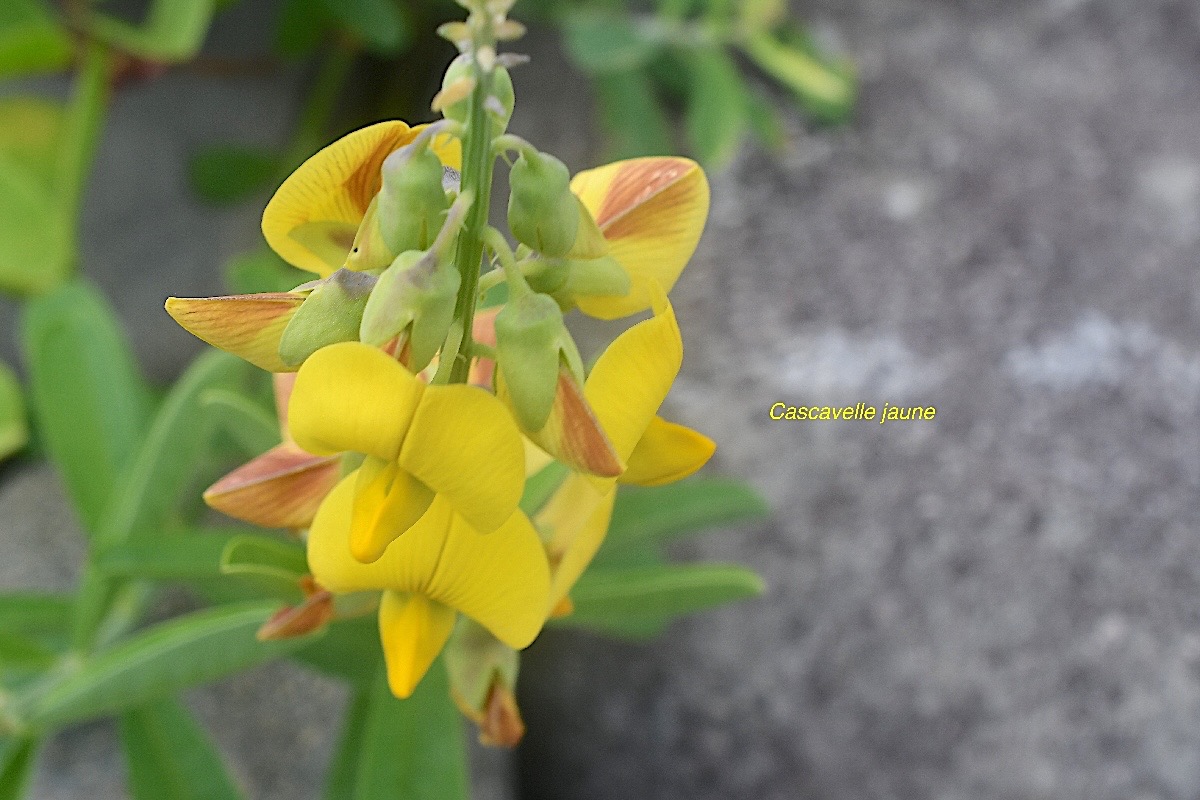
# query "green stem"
(478, 166)
(82, 130)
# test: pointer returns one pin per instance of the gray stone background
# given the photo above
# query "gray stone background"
(1000, 604)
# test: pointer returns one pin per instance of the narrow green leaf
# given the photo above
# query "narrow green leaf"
(343, 769)
(377, 22)
(23, 651)
(632, 116)
(30, 128)
(34, 234)
(87, 394)
(173, 30)
(34, 612)
(14, 429)
(642, 593)
(31, 39)
(412, 748)
(260, 555)
(170, 757)
(187, 651)
(17, 758)
(655, 515)
(600, 42)
(228, 173)
(262, 271)
(825, 89)
(244, 420)
(716, 111)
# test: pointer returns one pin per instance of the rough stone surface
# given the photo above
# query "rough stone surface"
(999, 604)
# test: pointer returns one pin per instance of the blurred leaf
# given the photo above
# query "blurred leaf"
(31, 39)
(173, 30)
(159, 661)
(826, 90)
(35, 239)
(19, 650)
(260, 555)
(716, 111)
(244, 420)
(654, 515)
(343, 769)
(48, 615)
(600, 42)
(262, 271)
(229, 173)
(349, 650)
(412, 748)
(635, 123)
(86, 392)
(30, 128)
(377, 22)
(302, 25)
(761, 15)
(764, 121)
(170, 757)
(645, 596)
(17, 758)
(14, 429)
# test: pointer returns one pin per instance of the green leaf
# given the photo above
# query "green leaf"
(48, 615)
(24, 651)
(343, 769)
(632, 117)
(30, 128)
(173, 30)
(412, 748)
(349, 650)
(14, 429)
(302, 26)
(262, 271)
(260, 555)
(243, 419)
(17, 758)
(89, 399)
(31, 39)
(229, 173)
(641, 595)
(170, 757)
(600, 42)
(654, 515)
(377, 22)
(826, 90)
(185, 652)
(35, 237)
(716, 111)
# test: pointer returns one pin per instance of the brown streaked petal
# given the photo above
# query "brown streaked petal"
(282, 488)
(283, 383)
(573, 434)
(287, 623)
(247, 325)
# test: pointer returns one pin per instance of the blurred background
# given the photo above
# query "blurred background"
(990, 208)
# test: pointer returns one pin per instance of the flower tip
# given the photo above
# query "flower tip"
(288, 623)
(501, 725)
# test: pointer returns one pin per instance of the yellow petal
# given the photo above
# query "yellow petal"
(572, 433)
(632, 377)
(247, 325)
(589, 239)
(536, 459)
(577, 517)
(464, 445)
(282, 488)
(501, 580)
(413, 630)
(667, 452)
(387, 502)
(652, 212)
(351, 396)
(313, 217)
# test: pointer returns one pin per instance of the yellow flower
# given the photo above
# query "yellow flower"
(625, 390)
(457, 442)
(651, 212)
(442, 565)
(311, 222)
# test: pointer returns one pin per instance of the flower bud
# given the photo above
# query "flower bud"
(330, 314)
(542, 211)
(483, 679)
(416, 294)
(531, 342)
(412, 202)
(461, 69)
(602, 276)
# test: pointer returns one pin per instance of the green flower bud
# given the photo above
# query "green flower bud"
(502, 90)
(602, 276)
(414, 296)
(542, 212)
(548, 275)
(330, 314)
(531, 343)
(412, 202)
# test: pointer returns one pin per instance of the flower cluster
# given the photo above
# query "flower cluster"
(414, 414)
